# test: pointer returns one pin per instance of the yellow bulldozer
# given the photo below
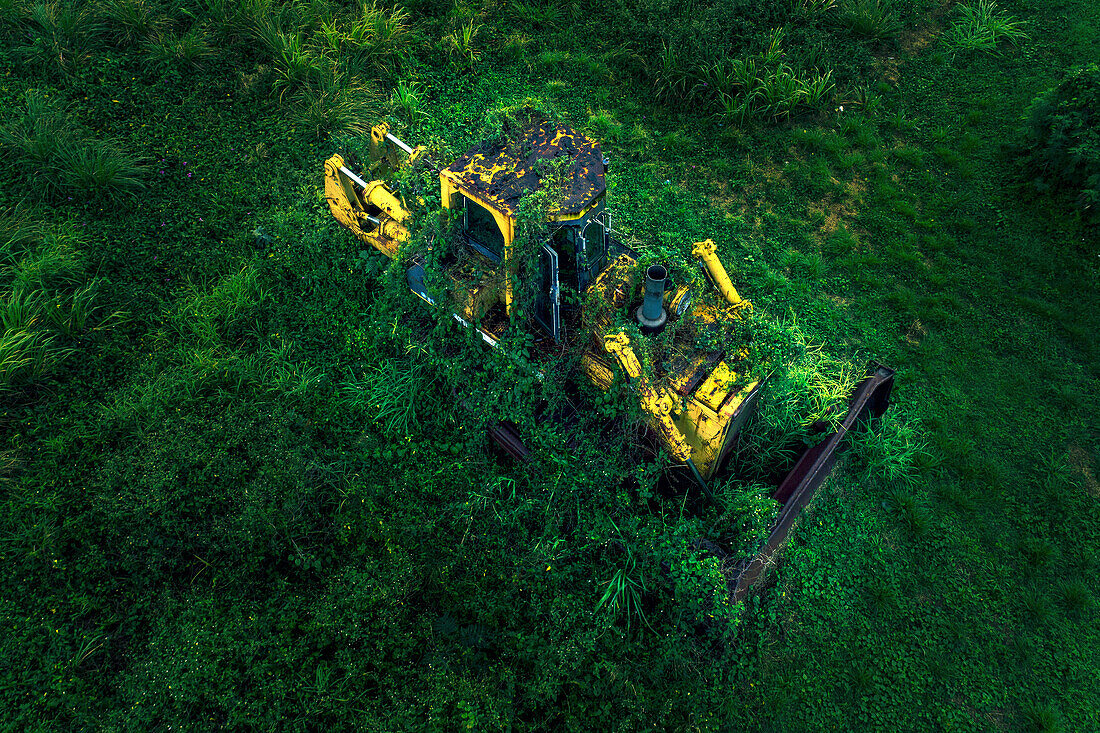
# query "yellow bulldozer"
(695, 398)
(687, 363)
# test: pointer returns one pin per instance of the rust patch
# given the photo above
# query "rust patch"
(504, 170)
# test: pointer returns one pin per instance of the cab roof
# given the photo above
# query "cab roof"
(502, 171)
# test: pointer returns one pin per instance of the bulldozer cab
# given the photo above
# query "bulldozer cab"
(487, 184)
(581, 246)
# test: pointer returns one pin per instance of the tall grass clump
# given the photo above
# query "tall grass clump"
(802, 400)
(623, 595)
(674, 78)
(131, 22)
(297, 66)
(981, 26)
(371, 42)
(328, 58)
(226, 18)
(406, 99)
(337, 105)
(1075, 596)
(99, 166)
(62, 36)
(45, 302)
(814, 8)
(891, 450)
(763, 85)
(460, 44)
(398, 395)
(220, 316)
(26, 355)
(1043, 717)
(871, 19)
(58, 157)
(178, 50)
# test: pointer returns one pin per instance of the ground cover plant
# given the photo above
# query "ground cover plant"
(243, 487)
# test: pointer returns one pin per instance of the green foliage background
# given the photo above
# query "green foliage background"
(240, 489)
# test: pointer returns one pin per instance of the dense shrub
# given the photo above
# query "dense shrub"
(1062, 138)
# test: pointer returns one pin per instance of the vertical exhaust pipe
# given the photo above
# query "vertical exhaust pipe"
(651, 313)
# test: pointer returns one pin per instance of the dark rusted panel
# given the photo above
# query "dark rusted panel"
(503, 171)
(870, 399)
(806, 463)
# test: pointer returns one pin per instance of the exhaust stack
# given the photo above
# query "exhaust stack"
(651, 313)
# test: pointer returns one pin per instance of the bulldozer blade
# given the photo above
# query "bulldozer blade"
(869, 400)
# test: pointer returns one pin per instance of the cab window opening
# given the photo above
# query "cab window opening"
(595, 248)
(565, 242)
(481, 230)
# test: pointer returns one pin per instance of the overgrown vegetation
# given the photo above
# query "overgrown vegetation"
(1062, 138)
(243, 485)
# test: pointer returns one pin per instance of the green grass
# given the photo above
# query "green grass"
(242, 488)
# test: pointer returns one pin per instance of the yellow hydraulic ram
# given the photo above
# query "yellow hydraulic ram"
(373, 213)
(707, 251)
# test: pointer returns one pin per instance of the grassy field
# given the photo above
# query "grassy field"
(238, 489)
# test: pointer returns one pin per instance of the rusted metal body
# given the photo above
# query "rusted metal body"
(870, 399)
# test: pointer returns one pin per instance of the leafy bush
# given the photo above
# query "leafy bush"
(748, 513)
(1061, 138)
